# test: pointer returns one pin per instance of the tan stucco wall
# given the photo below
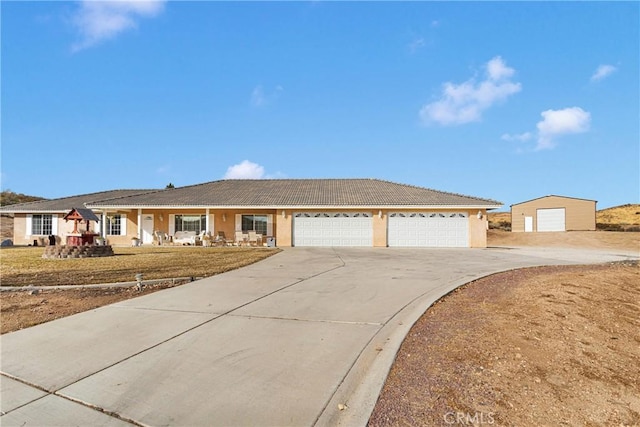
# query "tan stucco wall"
(579, 214)
(224, 220)
(379, 229)
(478, 229)
(132, 229)
(283, 225)
(64, 228)
(283, 228)
(19, 230)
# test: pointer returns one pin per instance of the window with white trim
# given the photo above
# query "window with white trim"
(197, 223)
(42, 224)
(114, 225)
(257, 223)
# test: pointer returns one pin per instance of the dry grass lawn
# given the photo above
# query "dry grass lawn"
(23, 266)
(24, 309)
(20, 266)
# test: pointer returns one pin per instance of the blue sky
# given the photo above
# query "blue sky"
(503, 100)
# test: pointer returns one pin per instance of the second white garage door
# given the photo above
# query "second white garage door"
(332, 229)
(429, 229)
(551, 219)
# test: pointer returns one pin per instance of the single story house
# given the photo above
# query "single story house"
(290, 212)
(553, 213)
(36, 221)
(302, 212)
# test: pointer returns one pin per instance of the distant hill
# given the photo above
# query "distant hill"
(8, 197)
(500, 220)
(622, 217)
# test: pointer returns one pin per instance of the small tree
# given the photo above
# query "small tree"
(170, 185)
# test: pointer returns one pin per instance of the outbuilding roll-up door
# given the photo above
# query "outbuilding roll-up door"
(429, 229)
(551, 219)
(332, 229)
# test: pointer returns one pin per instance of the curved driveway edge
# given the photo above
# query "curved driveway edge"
(355, 399)
(281, 342)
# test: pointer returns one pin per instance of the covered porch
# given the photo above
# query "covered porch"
(194, 227)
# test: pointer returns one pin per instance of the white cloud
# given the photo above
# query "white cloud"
(98, 21)
(257, 97)
(416, 44)
(498, 70)
(245, 170)
(521, 137)
(561, 122)
(602, 72)
(465, 102)
(260, 99)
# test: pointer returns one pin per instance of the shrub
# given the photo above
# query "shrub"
(500, 225)
(617, 227)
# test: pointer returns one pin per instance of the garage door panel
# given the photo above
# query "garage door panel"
(551, 219)
(428, 229)
(333, 229)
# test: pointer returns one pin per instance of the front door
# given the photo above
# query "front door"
(147, 229)
(528, 224)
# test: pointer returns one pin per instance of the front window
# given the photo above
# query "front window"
(42, 225)
(197, 223)
(257, 223)
(114, 225)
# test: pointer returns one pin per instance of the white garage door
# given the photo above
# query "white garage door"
(332, 229)
(429, 229)
(551, 219)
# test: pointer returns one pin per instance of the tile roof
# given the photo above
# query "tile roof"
(277, 193)
(65, 204)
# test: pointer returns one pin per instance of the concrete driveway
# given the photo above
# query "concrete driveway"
(281, 342)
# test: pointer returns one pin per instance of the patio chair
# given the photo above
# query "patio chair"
(220, 239)
(160, 237)
(241, 238)
(204, 238)
(254, 238)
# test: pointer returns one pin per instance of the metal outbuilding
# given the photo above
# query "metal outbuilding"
(554, 213)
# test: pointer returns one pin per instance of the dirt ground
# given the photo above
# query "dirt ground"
(571, 239)
(546, 346)
(22, 309)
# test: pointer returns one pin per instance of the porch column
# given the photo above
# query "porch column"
(207, 222)
(103, 224)
(140, 224)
